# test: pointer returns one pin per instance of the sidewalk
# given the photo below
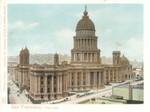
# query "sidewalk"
(15, 96)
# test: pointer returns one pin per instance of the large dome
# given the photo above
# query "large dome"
(85, 23)
(124, 60)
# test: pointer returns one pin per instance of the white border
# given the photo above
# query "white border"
(75, 108)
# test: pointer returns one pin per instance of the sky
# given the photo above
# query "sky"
(47, 28)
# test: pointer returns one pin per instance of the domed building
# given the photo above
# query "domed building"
(124, 60)
(85, 43)
(85, 72)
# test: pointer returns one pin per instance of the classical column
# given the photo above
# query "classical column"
(52, 86)
(82, 54)
(31, 85)
(83, 43)
(74, 44)
(117, 75)
(75, 56)
(78, 43)
(58, 83)
(88, 57)
(35, 87)
(81, 81)
(102, 78)
(45, 84)
(90, 43)
(66, 85)
(87, 44)
(95, 57)
(39, 84)
(70, 80)
(100, 82)
(88, 79)
(109, 80)
(94, 44)
(61, 83)
(75, 80)
(95, 79)
(113, 75)
(34, 84)
(91, 57)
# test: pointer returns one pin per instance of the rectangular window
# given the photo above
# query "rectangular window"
(48, 90)
(91, 78)
(42, 78)
(41, 82)
(41, 90)
(72, 83)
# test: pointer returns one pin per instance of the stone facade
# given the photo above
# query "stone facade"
(84, 73)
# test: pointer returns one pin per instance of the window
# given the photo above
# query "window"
(83, 82)
(78, 83)
(41, 90)
(55, 89)
(91, 78)
(48, 77)
(78, 57)
(42, 78)
(48, 90)
(41, 82)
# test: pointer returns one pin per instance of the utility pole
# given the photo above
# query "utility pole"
(130, 92)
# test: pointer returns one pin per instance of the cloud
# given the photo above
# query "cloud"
(133, 48)
(60, 41)
(21, 26)
(135, 45)
(63, 40)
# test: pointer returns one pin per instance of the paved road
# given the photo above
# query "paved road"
(107, 91)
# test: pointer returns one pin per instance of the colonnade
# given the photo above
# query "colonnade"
(85, 80)
(86, 57)
(88, 44)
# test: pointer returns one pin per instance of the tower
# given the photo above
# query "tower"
(56, 59)
(85, 42)
(116, 57)
(24, 56)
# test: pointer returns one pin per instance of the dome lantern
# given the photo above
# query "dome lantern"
(85, 23)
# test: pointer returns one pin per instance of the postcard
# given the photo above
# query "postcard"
(86, 55)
